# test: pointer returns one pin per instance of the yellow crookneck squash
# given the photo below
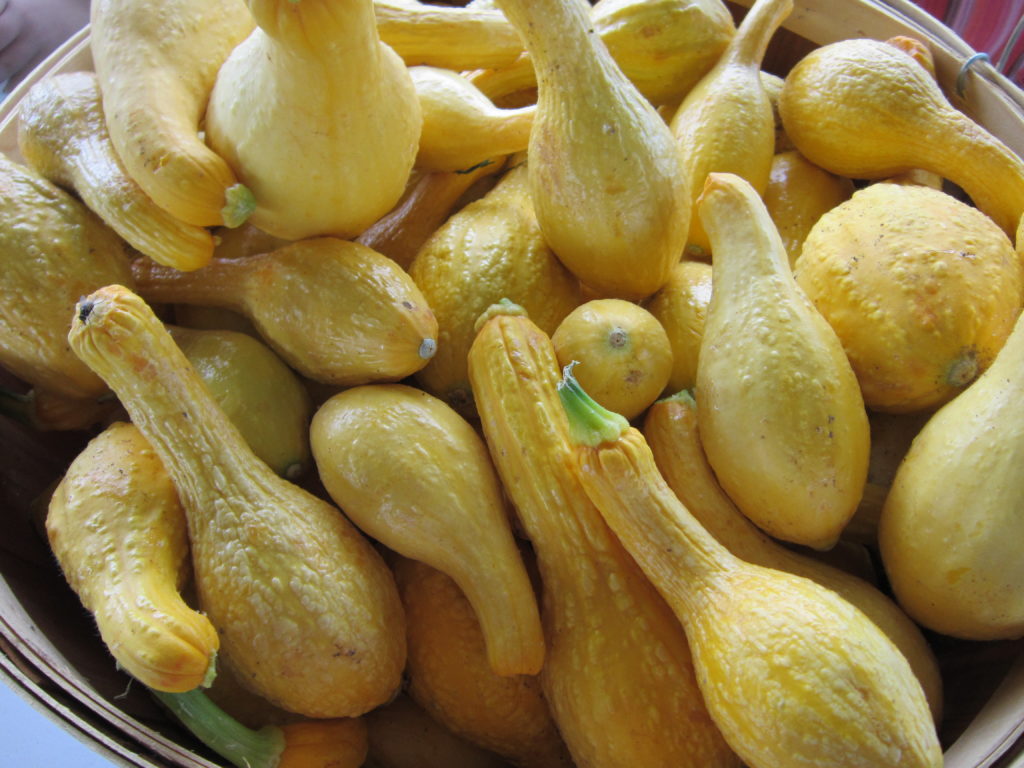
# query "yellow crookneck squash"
(792, 673)
(156, 61)
(118, 531)
(317, 117)
(307, 611)
(617, 674)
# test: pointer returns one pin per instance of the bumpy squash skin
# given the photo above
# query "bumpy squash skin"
(922, 290)
(63, 135)
(950, 528)
(452, 679)
(306, 609)
(782, 418)
(318, 118)
(670, 429)
(156, 62)
(491, 250)
(416, 476)
(606, 177)
(617, 675)
(53, 250)
(867, 110)
(792, 673)
(335, 311)
(119, 533)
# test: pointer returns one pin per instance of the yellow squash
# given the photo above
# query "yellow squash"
(416, 476)
(307, 611)
(867, 110)
(461, 126)
(921, 289)
(118, 531)
(317, 117)
(670, 428)
(62, 134)
(782, 418)
(451, 677)
(663, 46)
(336, 311)
(949, 530)
(792, 673)
(156, 61)
(681, 306)
(606, 176)
(259, 393)
(427, 203)
(53, 250)
(617, 674)
(452, 37)
(624, 355)
(798, 194)
(725, 122)
(491, 250)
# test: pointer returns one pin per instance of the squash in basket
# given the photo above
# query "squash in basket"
(307, 611)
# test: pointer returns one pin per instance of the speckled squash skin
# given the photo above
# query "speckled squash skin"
(156, 63)
(725, 123)
(317, 117)
(867, 110)
(670, 429)
(451, 678)
(307, 611)
(336, 311)
(792, 673)
(416, 476)
(951, 522)
(921, 289)
(53, 250)
(491, 250)
(63, 135)
(618, 674)
(606, 177)
(118, 531)
(782, 419)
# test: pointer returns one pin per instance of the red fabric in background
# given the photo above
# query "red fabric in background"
(987, 26)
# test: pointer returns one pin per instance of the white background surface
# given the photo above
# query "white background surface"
(30, 739)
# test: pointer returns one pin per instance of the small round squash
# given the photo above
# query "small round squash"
(681, 306)
(624, 353)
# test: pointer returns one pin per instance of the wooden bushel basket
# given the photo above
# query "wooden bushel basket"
(49, 647)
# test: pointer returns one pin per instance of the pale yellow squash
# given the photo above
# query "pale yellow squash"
(606, 177)
(782, 418)
(156, 62)
(317, 116)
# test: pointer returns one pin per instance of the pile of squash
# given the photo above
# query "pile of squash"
(491, 385)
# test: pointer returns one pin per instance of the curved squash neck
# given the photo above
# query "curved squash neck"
(748, 46)
(219, 284)
(990, 172)
(563, 45)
